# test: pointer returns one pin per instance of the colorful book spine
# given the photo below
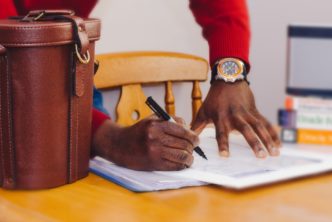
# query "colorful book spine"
(311, 104)
(305, 119)
(306, 136)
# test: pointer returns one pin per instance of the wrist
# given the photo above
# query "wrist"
(223, 84)
(106, 139)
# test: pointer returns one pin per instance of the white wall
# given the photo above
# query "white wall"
(169, 25)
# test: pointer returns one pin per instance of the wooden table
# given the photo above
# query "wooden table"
(95, 199)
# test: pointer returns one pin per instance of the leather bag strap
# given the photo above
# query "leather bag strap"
(78, 70)
(80, 34)
(7, 146)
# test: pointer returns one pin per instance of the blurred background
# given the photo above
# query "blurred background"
(131, 25)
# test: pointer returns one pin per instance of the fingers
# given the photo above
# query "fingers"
(167, 165)
(273, 133)
(167, 145)
(176, 143)
(249, 134)
(181, 157)
(200, 122)
(259, 126)
(222, 139)
(180, 132)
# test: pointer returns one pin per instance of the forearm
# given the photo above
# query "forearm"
(225, 25)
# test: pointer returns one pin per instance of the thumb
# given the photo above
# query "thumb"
(200, 122)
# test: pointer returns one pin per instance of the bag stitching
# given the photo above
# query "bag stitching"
(1, 132)
(45, 43)
(76, 146)
(44, 27)
(9, 123)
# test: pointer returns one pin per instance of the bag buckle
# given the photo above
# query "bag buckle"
(85, 59)
(36, 15)
(32, 17)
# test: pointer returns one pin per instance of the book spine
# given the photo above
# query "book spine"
(305, 119)
(305, 136)
(308, 104)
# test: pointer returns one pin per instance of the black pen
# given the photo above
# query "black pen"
(161, 113)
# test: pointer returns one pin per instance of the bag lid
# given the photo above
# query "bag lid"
(47, 30)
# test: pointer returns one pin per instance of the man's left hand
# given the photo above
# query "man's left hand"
(232, 106)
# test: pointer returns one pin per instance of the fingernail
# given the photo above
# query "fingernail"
(224, 153)
(261, 153)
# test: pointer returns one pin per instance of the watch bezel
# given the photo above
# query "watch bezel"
(239, 75)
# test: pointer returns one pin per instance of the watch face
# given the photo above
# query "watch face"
(230, 70)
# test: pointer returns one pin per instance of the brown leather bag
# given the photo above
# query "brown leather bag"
(46, 85)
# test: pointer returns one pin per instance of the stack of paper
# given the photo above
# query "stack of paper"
(139, 181)
(241, 170)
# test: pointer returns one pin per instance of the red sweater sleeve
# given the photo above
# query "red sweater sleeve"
(97, 119)
(225, 26)
(7, 8)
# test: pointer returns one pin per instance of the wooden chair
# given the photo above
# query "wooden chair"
(132, 69)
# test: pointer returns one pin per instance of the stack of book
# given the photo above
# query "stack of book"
(306, 120)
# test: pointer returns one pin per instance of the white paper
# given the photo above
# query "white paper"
(242, 169)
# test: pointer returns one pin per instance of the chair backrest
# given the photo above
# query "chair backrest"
(132, 69)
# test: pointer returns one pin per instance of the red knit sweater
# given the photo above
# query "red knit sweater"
(225, 25)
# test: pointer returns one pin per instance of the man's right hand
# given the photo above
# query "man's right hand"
(150, 144)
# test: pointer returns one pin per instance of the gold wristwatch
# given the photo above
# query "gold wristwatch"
(229, 70)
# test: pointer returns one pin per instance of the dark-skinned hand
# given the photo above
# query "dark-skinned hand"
(231, 106)
(150, 144)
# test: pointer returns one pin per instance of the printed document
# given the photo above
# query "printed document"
(241, 170)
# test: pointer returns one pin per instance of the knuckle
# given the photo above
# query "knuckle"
(245, 127)
(254, 111)
(220, 134)
(233, 110)
(236, 110)
(165, 140)
(221, 115)
(151, 124)
(149, 136)
(259, 124)
(256, 144)
(180, 120)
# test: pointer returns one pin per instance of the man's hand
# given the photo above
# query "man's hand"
(232, 106)
(151, 144)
